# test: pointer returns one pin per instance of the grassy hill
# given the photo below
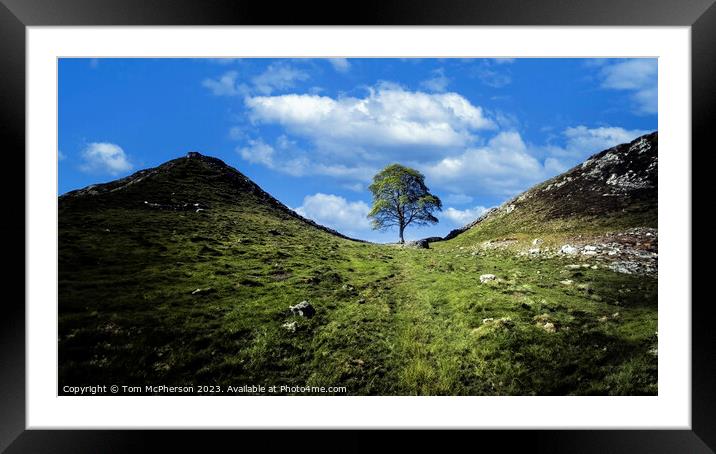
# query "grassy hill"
(614, 189)
(184, 274)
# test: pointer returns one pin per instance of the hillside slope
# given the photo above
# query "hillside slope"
(615, 188)
(193, 183)
(177, 273)
(603, 211)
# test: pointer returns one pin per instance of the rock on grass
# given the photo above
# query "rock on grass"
(303, 309)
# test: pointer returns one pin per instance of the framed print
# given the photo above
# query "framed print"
(439, 217)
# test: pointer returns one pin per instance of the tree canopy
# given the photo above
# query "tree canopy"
(401, 198)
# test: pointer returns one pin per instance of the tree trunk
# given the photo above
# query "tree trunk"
(402, 227)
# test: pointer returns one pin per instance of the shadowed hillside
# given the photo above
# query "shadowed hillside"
(190, 184)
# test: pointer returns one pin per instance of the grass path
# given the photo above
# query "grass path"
(453, 335)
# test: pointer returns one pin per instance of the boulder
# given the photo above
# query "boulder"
(420, 244)
(303, 309)
(487, 277)
(536, 242)
(568, 249)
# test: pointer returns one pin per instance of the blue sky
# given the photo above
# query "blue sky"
(312, 132)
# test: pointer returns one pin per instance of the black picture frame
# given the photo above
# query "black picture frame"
(16, 15)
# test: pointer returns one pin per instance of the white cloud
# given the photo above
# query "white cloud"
(458, 199)
(462, 217)
(236, 133)
(355, 187)
(342, 65)
(493, 72)
(580, 142)
(492, 78)
(277, 76)
(258, 152)
(647, 100)
(61, 156)
(506, 165)
(289, 159)
(336, 212)
(438, 83)
(358, 172)
(350, 138)
(225, 85)
(629, 74)
(103, 157)
(585, 141)
(554, 166)
(639, 76)
(502, 166)
(387, 117)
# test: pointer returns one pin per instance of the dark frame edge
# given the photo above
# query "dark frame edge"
(703, 116)
(12, 131)
(370, 12)
(14, 437)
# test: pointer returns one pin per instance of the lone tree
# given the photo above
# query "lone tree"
(400, 198)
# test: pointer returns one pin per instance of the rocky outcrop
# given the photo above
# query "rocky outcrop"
(633, 251)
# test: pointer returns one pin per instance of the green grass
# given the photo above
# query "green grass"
(127, 314)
